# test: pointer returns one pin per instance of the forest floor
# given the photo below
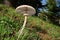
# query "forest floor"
(36, 28)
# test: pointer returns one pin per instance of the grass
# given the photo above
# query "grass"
(36, 28)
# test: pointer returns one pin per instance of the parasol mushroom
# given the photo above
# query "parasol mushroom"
(26, 10)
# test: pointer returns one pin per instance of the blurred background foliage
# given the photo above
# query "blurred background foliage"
(45, 26)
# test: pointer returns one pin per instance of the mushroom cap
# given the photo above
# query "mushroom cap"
(26, 10)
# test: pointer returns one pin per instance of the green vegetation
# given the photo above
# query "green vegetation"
(36, 28)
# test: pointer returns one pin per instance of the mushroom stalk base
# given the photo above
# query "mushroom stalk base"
(20, 31)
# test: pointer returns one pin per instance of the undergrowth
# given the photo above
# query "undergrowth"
(36, 28)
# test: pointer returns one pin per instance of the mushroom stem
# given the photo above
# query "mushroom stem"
(20, 31)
